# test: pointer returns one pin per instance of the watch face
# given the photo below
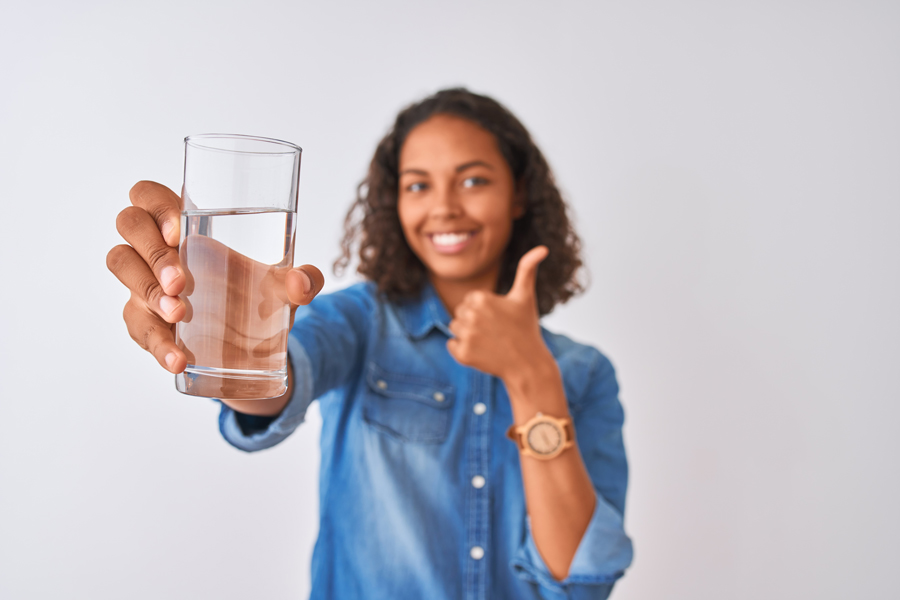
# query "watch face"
(544, 438)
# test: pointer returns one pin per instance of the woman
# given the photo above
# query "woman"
(424, 491)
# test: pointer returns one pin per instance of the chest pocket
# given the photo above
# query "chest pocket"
(409, 408)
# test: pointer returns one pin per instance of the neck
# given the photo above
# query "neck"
(452, 291)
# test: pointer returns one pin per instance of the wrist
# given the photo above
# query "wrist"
(530, 372)
(536, 386)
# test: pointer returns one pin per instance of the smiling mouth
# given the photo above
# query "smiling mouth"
(450, 243)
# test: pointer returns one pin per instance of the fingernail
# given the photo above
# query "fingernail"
(168, 276)
(307, 282)
(167, 228)
(171, 357)
(168, 304)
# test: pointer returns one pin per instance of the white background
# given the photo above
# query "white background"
(734, 169)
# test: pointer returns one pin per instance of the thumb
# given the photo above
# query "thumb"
(303, 283)
(526, 273)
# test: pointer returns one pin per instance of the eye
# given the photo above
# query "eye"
(473, 181)
(417, 187)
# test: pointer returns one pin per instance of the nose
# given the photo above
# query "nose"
(445, 203)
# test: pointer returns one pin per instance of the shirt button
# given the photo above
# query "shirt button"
(438, 396)
(382, 384)
(477, 552)
(478, 482)
(480, 408)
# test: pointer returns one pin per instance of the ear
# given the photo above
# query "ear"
(518, 207)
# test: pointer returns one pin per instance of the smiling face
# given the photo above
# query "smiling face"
(456, 202)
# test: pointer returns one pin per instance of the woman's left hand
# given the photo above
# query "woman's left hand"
(501, 335)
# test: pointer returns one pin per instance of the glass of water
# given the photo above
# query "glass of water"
(237, 243)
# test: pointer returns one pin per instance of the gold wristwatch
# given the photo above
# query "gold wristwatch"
(543, 437)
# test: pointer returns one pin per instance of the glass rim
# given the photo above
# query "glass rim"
(197, 139)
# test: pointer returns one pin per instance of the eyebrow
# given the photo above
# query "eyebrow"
(474, 163)
(459, 169)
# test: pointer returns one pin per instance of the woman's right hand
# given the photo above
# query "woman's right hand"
(150, 268)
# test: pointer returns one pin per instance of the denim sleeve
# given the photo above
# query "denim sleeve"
(325, 347)
(605, 551)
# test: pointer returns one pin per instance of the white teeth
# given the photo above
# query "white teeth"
(449, 239)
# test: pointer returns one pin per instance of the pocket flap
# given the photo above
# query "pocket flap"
(394, 385)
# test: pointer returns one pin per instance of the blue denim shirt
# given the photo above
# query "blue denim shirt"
(416, 468)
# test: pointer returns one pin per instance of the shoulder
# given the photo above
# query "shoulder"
(583, 356)
(586, 371)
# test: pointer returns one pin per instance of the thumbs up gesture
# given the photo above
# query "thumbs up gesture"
(498, 334)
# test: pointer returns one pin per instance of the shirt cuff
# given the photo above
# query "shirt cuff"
(603, 554)
(285, 423)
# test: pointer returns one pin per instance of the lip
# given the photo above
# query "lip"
(452, 248)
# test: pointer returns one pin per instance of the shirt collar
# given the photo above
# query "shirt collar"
(423, 314)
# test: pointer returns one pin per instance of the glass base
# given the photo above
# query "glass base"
(231, 384)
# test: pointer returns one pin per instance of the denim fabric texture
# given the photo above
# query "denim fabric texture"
(406, 430)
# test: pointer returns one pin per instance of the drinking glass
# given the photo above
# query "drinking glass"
(238, 227)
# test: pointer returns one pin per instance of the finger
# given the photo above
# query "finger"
(475, 300)
(303, 283)
(526, 273)
(458, 351)
(269, 346)
(453, 345)
(463, 314)
(154, 335)
(273, 292)
(131, 270)
(139, 229)
(162, 204)
(456, 327)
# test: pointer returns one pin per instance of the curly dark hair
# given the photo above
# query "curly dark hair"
(373, 222)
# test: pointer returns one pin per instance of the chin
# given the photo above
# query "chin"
(439, 269)
(452, 274)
